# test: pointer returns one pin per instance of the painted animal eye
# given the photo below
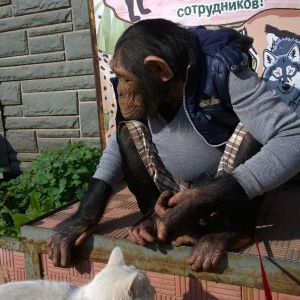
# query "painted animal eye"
(277, 72)
(290, 70)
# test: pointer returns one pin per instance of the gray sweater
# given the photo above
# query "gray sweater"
(187, 156)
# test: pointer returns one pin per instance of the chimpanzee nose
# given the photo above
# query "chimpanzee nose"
(286, 86)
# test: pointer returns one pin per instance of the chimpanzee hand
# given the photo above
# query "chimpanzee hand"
(74, 230)
(181, 212)
(207, 251)
(178, 212)
(62, 241)
(210, 248)
(146, 231)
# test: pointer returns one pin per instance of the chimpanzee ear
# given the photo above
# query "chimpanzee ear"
(159, 68)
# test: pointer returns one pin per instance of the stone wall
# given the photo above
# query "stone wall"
(47, 84)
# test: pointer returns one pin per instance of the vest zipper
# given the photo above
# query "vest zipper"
(188, 116)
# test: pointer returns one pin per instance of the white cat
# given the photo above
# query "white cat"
(117, 281)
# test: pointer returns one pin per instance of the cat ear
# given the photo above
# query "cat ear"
(131, 284)
(116, 258)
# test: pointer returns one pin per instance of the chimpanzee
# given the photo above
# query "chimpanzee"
(183, 94)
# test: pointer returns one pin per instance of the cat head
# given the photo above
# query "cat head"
(119, 281)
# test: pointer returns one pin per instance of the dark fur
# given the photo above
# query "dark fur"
(137, 177)
(225, 216)
(176, 46)
(87, 216)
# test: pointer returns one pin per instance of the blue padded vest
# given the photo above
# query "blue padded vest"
(207, 100)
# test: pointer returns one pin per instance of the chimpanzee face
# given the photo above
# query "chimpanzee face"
(130, 92)
(151, 90)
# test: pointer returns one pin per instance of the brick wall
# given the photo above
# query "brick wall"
(47, 85)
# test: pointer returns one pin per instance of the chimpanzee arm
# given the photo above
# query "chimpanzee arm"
(181, 212)
(81, 223)
(273, 124)
(220, 233)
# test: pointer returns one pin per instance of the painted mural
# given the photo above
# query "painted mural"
(274, 25)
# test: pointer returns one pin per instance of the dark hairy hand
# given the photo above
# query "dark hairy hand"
(181, 212)
(75, 229)
(207, 251)
(146, 231)
(210, 248)
(178, 213)
(66, 235)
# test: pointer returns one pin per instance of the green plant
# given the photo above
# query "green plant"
(53, 178)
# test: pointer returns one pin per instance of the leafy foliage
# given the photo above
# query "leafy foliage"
(53, 179)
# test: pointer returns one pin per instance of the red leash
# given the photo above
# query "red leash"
(263, 274)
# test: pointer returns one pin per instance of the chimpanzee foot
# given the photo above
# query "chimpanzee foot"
(212, 247)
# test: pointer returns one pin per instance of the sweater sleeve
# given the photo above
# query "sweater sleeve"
(274, 125)
(110, 165)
